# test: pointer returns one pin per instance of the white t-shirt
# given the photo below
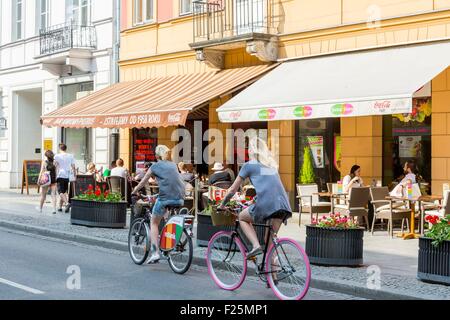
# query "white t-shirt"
(119, 172)
(346, 182)
(65, 162)
(409, 176)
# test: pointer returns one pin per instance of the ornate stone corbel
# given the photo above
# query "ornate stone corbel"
(213, 58)
(266, 51)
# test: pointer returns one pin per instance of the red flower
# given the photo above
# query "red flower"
(218, 199)
(98, 193)
(90, 187)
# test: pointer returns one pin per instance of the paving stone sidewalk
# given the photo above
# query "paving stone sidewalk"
(394, 258)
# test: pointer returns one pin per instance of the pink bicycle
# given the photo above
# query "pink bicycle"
(284, 265)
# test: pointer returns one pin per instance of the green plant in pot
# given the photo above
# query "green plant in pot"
(307, 175)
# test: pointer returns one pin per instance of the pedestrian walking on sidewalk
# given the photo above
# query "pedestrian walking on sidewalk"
(65, 169)
(48, 169)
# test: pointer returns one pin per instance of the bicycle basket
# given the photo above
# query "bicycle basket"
(222, 218)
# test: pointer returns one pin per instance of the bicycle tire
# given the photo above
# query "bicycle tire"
(218, 268)
(299, 282)
(137, 226)
(190, 247)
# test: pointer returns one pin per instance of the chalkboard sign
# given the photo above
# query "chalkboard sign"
(30, 175)
(82, 183)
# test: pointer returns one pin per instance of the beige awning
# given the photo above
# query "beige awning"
(158, 102)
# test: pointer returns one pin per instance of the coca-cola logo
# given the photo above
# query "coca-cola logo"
(382, 106)
(174, 117)
(235, 115)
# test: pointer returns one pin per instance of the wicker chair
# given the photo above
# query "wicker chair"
(356, 205)
(118, 185)
(308, 201)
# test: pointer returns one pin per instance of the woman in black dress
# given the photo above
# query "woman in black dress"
(49, 165)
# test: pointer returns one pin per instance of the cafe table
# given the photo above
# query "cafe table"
(332, 196)
(412, 200)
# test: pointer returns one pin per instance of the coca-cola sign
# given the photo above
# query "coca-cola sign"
(382, 106)
(235, 115)
(174, 117)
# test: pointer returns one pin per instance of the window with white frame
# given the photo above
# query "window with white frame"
(78, 12)
(143, 11)
(42, 14)
(17, 19)
(185, 6)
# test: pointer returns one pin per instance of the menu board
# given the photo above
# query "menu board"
(30, 174)
(144, 145)
(316, 145)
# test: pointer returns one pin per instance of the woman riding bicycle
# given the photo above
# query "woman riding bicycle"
(171, 193)
(271, 198)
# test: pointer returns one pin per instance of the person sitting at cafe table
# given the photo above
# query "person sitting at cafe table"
(410, 176)
(91, 169)
(353, 179)
(184, 172)
(120, 170)
(107, 171)
(219, 175)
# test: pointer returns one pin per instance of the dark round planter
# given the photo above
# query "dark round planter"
(434, 262)
(334, 247)
(205, 231)
(98, 214)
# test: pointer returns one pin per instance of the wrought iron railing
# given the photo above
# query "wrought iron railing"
(67, 36)
(220, 19)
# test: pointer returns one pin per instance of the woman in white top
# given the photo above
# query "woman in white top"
(353, 179)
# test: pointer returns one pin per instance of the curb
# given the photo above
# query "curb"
(317, 283)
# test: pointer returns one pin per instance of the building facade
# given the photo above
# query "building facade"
(52, 52)
(174, 38)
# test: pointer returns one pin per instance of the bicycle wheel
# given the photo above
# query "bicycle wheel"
(139, 241)
(226, 260)
(180, 258)
(288, 270)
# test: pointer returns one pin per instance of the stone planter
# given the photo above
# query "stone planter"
(334, 247)
(434, 262)
(205, 231)
(98, 214)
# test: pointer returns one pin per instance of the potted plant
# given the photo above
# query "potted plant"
(335, 240)
(95, 208)
(434, 251)
(306, 175)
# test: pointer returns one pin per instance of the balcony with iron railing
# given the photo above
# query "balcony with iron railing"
(220, 25)
(67, 36)
(220, 21)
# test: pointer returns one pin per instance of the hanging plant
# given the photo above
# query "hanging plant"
(421, 109)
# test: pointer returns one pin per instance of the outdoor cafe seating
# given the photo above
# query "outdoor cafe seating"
(308, 201)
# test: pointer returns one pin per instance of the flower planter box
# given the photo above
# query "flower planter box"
(205, 231)
(434, 262)
(334, 247)
(98, 214)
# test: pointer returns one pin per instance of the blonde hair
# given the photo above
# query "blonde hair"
(90, 166)
(162, 152)
(258, 150)
(182, 166)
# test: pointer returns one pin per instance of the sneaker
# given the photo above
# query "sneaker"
(154, 258)
(60, 210)
(67, 208)
(255, 252)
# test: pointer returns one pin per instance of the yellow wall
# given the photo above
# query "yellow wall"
(440, 131)
(362, 139)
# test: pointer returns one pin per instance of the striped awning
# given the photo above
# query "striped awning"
(157, 102)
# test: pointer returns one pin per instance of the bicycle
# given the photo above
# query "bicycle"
(175, 238)
(284, 266)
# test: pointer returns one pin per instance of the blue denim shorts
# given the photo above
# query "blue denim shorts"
(159, 209)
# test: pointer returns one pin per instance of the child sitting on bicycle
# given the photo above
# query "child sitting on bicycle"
(271, 201)
(171, 193)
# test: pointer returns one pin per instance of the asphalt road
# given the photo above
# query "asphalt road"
(34, 267)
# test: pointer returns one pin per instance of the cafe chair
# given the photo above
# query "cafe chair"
(442, 210)
(81, 185)
(308, 201)
(387, 209)
(356, 205)
(118, 185)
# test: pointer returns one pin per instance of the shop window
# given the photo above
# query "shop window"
(323, 138)
(408, 137)
(144, 144)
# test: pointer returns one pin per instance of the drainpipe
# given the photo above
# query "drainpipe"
(114, 133)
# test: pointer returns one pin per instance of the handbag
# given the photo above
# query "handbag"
(45, 180)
